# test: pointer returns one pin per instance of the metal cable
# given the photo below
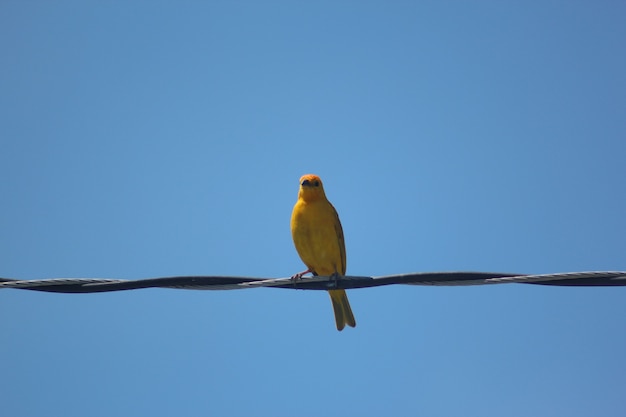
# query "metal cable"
(92, 285)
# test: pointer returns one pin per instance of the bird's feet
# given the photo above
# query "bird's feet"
(299, 275)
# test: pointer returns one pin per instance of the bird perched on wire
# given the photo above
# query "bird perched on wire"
(318, 237)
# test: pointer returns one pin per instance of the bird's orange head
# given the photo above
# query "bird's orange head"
(311, 188)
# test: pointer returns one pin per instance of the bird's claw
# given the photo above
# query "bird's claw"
(298, 276)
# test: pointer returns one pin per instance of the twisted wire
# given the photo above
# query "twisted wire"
(93, 285)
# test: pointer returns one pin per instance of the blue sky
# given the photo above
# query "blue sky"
(150, 139)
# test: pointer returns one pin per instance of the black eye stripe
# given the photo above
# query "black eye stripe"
(308, 183)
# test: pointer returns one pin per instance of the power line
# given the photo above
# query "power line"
(93, 285)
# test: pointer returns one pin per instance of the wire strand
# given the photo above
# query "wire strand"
(93, 285)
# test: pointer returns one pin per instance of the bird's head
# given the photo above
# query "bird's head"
(311, 188)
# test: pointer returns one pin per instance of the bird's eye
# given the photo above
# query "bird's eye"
(316, 183)
(305, 183)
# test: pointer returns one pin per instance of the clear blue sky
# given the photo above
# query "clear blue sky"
(148, 139)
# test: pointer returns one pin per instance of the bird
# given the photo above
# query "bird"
(318, 237)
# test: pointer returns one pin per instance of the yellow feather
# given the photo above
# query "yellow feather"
(318, 237)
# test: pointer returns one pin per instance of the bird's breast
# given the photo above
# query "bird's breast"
(315, 237)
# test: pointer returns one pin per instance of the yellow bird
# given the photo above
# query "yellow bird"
(318, 237)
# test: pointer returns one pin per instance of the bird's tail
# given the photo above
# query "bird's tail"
(341, 306)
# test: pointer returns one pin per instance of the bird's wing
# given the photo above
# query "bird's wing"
(340, 241)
